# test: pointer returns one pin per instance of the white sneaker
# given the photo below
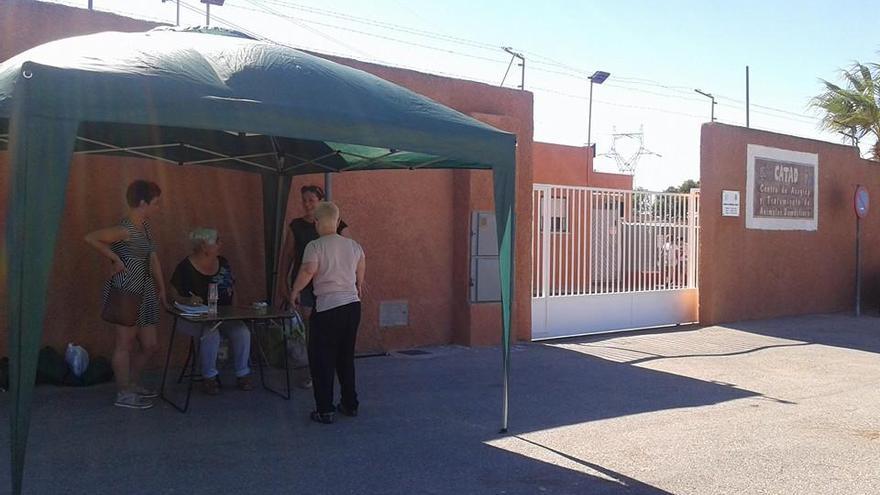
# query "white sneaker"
(132, 400)
(146, 393)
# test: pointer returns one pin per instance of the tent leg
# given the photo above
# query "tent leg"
(40, 151)
(505, 200)
(328, 186)
(276, 191)
(506, 397)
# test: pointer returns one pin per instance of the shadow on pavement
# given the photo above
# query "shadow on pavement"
(426, 426)
(836, 330)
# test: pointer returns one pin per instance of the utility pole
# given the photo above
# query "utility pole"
(177, 21)
(708, 95)
(522, 64)
(747, 97)
(208, 4)
(90, 5)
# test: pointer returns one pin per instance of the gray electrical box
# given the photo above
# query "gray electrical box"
(393, 314)
(485, 283)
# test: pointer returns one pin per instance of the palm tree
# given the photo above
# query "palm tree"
(853, 110)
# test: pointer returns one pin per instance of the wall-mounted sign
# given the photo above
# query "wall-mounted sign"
(729, 203)
(782, 189)
(861, 202)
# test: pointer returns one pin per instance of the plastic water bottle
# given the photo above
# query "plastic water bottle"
(212, 299)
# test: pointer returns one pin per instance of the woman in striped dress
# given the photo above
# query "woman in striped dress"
(135, 268)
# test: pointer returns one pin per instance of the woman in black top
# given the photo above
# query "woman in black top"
(301, 231)
(189, 285)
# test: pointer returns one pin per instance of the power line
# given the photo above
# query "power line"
(568, 70)
(370, 59)
(300, 22)
(622, 105)
(302, 25)
(458, 76)
(386, 25)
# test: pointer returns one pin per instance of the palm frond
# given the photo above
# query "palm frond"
(854, 107)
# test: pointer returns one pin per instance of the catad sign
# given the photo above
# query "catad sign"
(782, 189)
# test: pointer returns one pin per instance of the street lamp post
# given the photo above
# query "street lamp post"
(208, 4)
(598, 77)
(709, 95)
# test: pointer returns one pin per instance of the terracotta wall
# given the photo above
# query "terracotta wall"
(572, 166)
(414, 225)
(27, 23)
(610, 181)
(562, 165)
(749, 274)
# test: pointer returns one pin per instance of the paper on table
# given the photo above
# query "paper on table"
(198, 309)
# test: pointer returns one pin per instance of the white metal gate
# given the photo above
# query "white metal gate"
(607, 260)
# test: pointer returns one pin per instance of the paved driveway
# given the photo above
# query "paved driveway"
(787, 406)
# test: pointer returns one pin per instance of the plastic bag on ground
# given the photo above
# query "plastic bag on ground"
(77, 359)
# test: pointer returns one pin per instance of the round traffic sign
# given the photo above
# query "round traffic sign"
(862, 202)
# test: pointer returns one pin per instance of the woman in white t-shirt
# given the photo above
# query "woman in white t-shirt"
(335, 267)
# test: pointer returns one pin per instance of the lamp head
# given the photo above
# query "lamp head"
(599, 76)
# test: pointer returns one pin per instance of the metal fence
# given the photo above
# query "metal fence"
(606, 241)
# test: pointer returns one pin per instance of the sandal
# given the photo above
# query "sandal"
(244, 383)
(211, 386)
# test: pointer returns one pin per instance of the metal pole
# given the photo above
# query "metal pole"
(328, 186)
(858, 267)
(280, 211)
(208, 14)
(747, 96)
(522, 84)
(506, 399)
(590, 116)
(90, 5)
(178, 13)
(711, 97)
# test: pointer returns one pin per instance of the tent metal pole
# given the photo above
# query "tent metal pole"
(328, 187)
(279, 231)
(506, 399)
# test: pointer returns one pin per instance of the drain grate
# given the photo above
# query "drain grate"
(414, 352)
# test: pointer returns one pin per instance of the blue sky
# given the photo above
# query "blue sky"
(657, 53)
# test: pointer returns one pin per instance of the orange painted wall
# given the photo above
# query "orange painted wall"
(572, 166)
(562, 165)
(27, 23)
(610, 181)
(414, 225)
(750, 274)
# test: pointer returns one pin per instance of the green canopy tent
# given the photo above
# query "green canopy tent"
(214, 98)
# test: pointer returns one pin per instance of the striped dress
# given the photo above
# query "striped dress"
(135, 254)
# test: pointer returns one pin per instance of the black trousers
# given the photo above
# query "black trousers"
(332, 337)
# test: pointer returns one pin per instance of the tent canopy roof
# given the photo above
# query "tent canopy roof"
(209, 97)
(202, 96)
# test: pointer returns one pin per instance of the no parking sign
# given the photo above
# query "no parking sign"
(861, 201)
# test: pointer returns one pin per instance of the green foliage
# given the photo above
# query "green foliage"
(685, 187)
(854, 108)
